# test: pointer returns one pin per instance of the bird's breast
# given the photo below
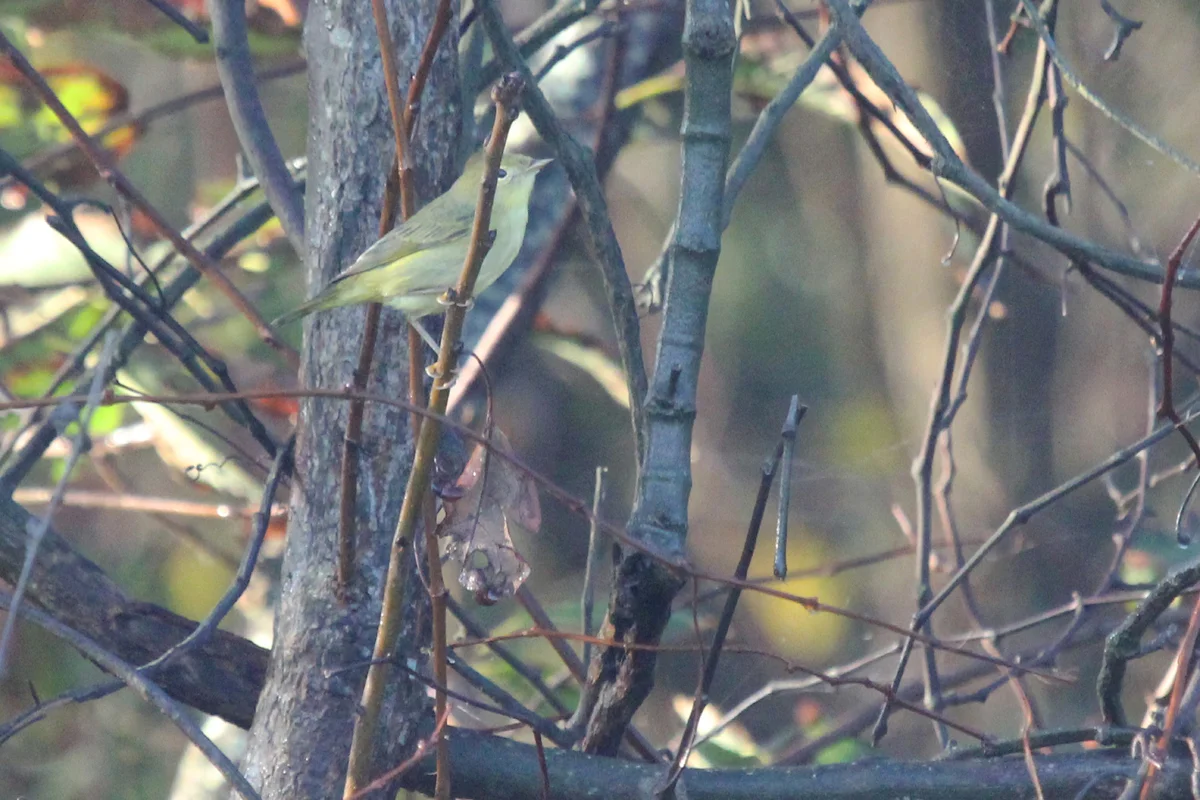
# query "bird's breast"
(504, 251)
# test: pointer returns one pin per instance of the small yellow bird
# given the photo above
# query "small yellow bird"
(412, 266)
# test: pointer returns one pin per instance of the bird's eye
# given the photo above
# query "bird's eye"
(501, 174)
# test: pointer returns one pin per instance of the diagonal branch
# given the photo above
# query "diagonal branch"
(416, 492)
(581, 171)
(236, 70)
(947, 165)
(149, 691)
(1072, 80)
(107, 168)
(221, 676)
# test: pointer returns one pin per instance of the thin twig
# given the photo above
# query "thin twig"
(1166, 408)
(589, 576)
(148, 311)
(403, 120)
(514, 315)
(351, 439)
(38, 532)
(709, 671)
(947, 165)
(236, 232)
(795, 413)
(777, 687)
(520, 307)
(198, 34)
(1184, 660)
(946, 401)
(580, 507)
(790, 666)
(534, 37)
(1124, 27)
(531, 675)
(507, 704)
(141, 120)
(418, 755)
(1138, 132)
(1022, 514)
(1107, 190)
(581, 171)
(604, 29)
(437, 601)
(145, 688)
(122, 501)
(366, 725)
(541, 620)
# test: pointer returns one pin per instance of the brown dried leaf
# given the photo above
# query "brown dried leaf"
(492, 494)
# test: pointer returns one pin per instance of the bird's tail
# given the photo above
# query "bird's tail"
(319, 303)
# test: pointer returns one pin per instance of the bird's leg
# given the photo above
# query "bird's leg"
(448, 299)
(425, 334)
(432, 370)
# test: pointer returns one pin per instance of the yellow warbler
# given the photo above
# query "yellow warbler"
(414, 264)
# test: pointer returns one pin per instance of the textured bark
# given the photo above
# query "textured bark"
(302, 729)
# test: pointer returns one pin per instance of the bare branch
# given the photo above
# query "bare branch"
(198, 34)
(947, 165)
(236, 70)
(581, 170)
(105, 165)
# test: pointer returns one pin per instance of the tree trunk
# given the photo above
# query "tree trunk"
(302, 728)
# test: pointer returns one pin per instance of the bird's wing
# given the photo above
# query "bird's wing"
(423, 232)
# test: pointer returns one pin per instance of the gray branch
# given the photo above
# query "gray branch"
(500, 769)
(236, 70)
(643, 587)
(947, 165)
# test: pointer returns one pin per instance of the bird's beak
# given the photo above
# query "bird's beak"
(540, 164)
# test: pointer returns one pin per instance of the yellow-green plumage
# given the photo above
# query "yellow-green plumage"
(414, 264)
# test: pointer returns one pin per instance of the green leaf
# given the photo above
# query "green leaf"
(841, 752)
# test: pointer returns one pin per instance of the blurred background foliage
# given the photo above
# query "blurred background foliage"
(832, 285)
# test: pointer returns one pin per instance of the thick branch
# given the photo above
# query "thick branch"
(221, 677)
(500, 769)
(642, 589)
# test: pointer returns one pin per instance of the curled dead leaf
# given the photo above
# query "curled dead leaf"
(490, 495)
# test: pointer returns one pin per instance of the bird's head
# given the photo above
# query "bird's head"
(517, 173)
